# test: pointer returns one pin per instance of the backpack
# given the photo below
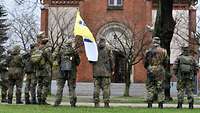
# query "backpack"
(15, 61)
(36, 56)
(28, 66)
(185, 64)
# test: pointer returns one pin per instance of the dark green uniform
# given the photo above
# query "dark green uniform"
(184, 68)
(31, 81)
(15, 75)
(43, 75)
(4, 79)
(102, 74)
(68, 60)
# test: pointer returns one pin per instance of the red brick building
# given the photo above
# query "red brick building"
(101, 15)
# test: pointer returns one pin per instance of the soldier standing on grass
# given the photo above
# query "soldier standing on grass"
(68, 59)
(4, 77)
(31, 82)
(102, 70)
(184, 68)
(41, 57)
(155, 62)
(15, 75)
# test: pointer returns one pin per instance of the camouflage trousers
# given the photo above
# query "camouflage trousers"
(66, 75)
(104, 84)
(42, 88)
(30, 86)
(15, 79)
(155, 87)
(185, 86)
(4, 89)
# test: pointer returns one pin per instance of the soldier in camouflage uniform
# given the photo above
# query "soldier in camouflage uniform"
(102, 74)
(68, 60)
(184, 68)
(15, 75)
(4, 77)
(43, 70)
(155, 62)
(31, 82)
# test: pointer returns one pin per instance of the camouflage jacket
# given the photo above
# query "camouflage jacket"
(103, 67)
(44, 66)
(178, 69)
(156, 60)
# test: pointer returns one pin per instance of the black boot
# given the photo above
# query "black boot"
(4, 100)
(106, 105)
(179, 106)
(149, 105)
(39, 101)
(18, 101)
(191, 105)
(9, 101)
(33, 100)
(27, 101)
(160, 105)
(73, 102)
(96, 105)
(44, 102)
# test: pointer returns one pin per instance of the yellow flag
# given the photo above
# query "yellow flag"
(81, 29)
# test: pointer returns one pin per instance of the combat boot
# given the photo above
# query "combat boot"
(9, 101)
(96, 105)
(179, 106)
(4, 101)
(106, 105)
(191, 105)
(73, 102)
(39, 101)
(27, 101)
(33, 101)
(18, 101)
(149, 105)
(160, 105)
(44, 102)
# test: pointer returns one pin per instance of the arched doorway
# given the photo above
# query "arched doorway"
(112, 32)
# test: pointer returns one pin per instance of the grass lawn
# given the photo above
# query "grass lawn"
(66, 109)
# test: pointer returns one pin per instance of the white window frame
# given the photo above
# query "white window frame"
(115, 3)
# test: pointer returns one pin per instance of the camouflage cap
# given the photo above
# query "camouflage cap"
(44, 40)
(16, 49)
(41, 34)
(32, 46)
(156, 40)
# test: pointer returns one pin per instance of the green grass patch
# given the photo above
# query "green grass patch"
(67, 109)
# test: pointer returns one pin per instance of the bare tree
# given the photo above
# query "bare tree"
(60, 27)
(24, 28)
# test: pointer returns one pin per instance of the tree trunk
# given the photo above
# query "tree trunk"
(127, 80)
(164, 28)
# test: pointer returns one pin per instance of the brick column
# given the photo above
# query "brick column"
(44, 19)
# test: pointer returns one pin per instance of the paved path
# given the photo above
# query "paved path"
(117, 89)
